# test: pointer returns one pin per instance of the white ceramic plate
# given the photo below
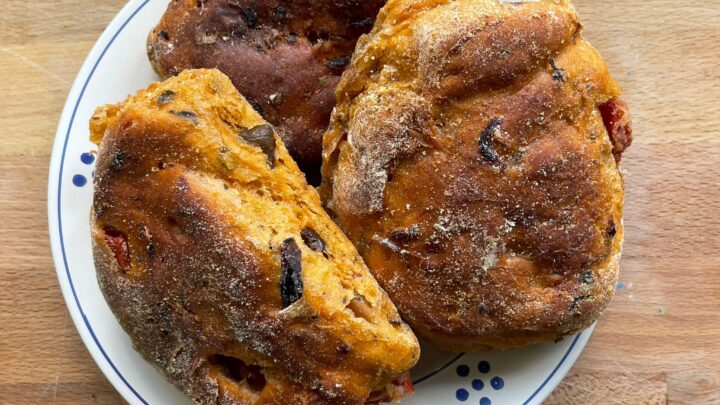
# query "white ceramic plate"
(118, 66)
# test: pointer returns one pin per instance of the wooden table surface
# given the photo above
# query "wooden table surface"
(658, 342)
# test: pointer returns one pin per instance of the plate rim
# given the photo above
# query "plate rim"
(80, 320)
(57, 160)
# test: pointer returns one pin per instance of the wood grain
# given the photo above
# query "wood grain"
(658, 343)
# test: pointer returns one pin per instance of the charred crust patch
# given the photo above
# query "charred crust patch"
(313, 240)
(487, 151)
(587, 277)
(262, 137)
(291, 284)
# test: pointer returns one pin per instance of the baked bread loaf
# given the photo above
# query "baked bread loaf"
(286, 57)
(470, 159)
(219, 262)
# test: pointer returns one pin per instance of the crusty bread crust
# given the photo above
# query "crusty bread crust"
(468, 161)
(219, 262)
(285, 57)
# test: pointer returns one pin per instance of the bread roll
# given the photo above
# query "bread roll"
(473, 161)
(219, 262)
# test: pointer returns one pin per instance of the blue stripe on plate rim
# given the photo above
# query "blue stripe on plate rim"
(67, 269)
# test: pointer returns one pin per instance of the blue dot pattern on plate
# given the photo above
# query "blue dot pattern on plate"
(483, 367)
(87, 158)
(463, 370)
(79, 180)
(462, 394)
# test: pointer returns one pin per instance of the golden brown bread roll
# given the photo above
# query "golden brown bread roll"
(468, 162)
(286, 57)
(219, 262)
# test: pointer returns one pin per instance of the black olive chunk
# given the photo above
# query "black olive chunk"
(485, 142)
(338, 63)
(188, 115)
(611, 229)
(263, 137)
(291, 285)
(313, 240)
(587, 277)
(166, 97)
